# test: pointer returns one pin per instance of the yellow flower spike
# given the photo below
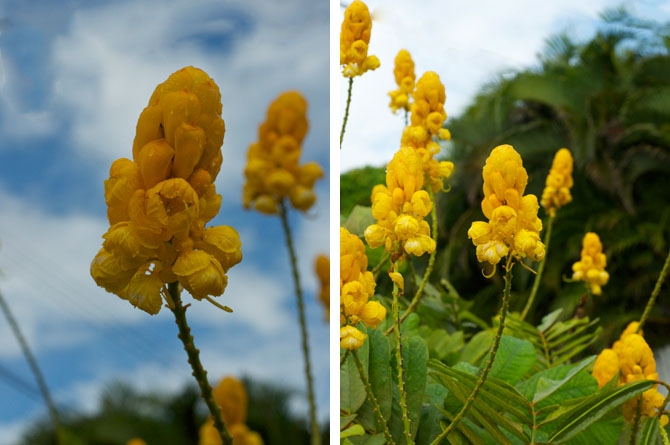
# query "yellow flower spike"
(351, 338)
(354, 40)
(591, 266)
(513, 226)
(556, 193)
(272, 172)
(404, 76)
(159, 203)
(606, 366)
(200, 273)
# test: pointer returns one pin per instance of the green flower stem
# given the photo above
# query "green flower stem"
(655, 292)
(34, 367)
(373, 399)
(314, 425)
(398, 356)
(179, 311)
(664, 435)
(540, 270)
(492, 356)
(346, 111)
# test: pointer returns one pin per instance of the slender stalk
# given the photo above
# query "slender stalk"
(346, 111)
(373, 400)
(429, 268)
(398, 356)
(655, 292)
(314, 425)
(540, 270)
(179, 311)
(492, 356)
(636, 421)
(34, 367)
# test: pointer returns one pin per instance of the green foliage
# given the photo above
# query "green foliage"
(124, 413)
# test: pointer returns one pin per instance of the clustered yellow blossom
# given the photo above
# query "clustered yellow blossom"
(272, 172)
(354, 41)
(404, 77)
(232, 398)
(556, 192)
(513, 226)
(591, 267)
(400, 208)
(426, 122)
(159, 203)
(631, 359)
(357, 285)
(322, 268)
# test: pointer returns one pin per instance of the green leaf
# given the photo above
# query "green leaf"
(549, 320)
(648, 435)
(379, 376)
(477, 347)
(359, 219)
(546, 386)
(354, 430)
(415, 361)
(431, 415)
(513, 359)
(592, 408)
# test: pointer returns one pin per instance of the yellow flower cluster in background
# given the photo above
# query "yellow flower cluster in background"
(513, 226)
(404, 77)
(322, 267)
(232, 398)
(272, 172)
(631, 359)
(354, 41)
(159, 203)
(556, 192)
(426, 122)
(591, 267)
(357, 285)
(400, 206)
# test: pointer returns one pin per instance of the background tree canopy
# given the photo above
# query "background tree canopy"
(608, 101)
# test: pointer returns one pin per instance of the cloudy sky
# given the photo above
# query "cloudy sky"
(74, 77)
(467, 44)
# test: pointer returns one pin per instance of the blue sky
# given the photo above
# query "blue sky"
(468, 44)
(74, 77)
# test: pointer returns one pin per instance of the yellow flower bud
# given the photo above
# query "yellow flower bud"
(200, 273)
(351, 338)
(372, 313)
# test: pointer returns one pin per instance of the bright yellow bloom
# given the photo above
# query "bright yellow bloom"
(272, 172)
(357, 285)
(351, 338)
(322, 268)
(513, 226)
(232, 398)
(606, 366)
(404, 78)
(631, 358)
(159, 203)
(354, 41)
(425, 127)
(400, 206)
(556, 192)
(591, 267)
